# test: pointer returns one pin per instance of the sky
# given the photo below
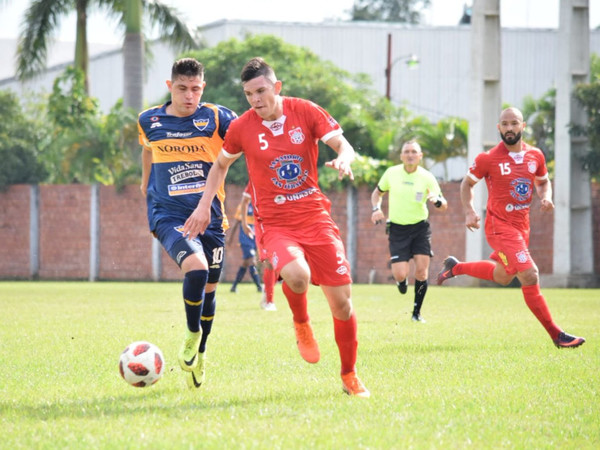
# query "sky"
(514, 13)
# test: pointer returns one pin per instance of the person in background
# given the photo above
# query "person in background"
(279, 138)
(180, 141)
(245, 221)
(512, 170)
(410, 187)
(269, 278)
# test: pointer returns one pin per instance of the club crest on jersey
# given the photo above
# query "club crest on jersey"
(531, 166)
(201, 124)
(289, 172)
(521, 189)
(522, 257)
(296, 135)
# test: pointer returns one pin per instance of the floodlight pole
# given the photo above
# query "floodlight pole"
(389, 64)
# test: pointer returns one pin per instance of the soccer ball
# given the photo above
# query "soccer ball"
(141, 364)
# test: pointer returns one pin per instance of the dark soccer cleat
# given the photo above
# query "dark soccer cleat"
(446, 271)
(565, 340)
(402, 286)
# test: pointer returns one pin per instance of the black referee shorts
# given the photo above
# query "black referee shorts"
(408, 240)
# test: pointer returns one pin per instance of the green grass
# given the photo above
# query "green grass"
(481, 373)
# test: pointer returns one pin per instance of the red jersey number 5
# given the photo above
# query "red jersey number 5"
(263, 142)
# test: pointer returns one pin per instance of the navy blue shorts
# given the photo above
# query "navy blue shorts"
(212, 243)
(409, 240)
(247, 243)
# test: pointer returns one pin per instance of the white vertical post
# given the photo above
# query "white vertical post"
(486, 65)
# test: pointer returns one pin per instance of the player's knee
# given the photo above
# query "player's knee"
(529, 277)
(297, 284)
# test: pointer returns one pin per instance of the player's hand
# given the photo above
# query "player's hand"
(248, 231)
(197, 223)
(377, 217)
(547, 205)
(472, 221)
(342, 166)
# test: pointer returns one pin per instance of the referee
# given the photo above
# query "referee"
(410, 187)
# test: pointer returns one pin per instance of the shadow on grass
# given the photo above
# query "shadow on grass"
(156, 402)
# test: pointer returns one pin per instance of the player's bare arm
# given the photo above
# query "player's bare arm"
(146, 167)
(345, 156)
(244, 208)
(472, 219)
(199, 220)
(544, 192)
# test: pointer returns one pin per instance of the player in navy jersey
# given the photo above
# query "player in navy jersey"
(181, 140)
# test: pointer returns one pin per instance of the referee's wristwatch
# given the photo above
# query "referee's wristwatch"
(376, 208)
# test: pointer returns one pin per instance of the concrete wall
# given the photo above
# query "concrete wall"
(126, 245)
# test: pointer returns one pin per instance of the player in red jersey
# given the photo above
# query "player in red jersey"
(279, 138)
(512, 169)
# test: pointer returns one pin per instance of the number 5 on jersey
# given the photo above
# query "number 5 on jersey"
(262, 141)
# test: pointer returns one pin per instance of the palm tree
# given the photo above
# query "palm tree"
(42, 19)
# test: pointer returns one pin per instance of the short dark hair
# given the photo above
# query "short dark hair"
(187, 67)
(255, 68)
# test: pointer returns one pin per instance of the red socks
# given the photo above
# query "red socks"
(269, 281)
(538, 306)
(298, 304)
(479, 269)
(345, 337)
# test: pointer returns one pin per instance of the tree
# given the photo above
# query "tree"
(19, 146)
(42, 19)
(404, 11)
(588, 95)
(85, 146)
(539, 115)
(368, 119)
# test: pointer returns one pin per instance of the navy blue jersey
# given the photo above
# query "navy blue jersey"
(183, 151)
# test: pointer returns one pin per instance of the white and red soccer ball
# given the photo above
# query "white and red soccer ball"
(141, 364)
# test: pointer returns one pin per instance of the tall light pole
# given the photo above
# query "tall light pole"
(412, 62)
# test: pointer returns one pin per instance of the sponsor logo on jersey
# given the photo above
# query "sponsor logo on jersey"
(156, 125)
(299, 195)
(279, 200)
(296, 135)
(332, 122)
(168, 148)
(276, 126)
(201, 124)
(521, 189)
(186, 171)
(510, 207)
(342, 270)
(178, 134)
(186, 188)
(154, 119)
(522, 256)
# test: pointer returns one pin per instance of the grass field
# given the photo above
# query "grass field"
(481, 373)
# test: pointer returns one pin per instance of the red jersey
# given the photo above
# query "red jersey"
(510, 181)
(281, 157)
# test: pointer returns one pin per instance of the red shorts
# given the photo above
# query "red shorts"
(320, 244)
(511, 249)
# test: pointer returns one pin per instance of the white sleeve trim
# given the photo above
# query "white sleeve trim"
(473, 177)
(545, 177)
(226, 154)
(332, 134)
